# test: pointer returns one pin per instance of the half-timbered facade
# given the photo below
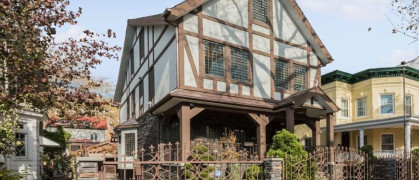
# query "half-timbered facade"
(206, 66)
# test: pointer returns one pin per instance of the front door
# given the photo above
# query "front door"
(345, 139)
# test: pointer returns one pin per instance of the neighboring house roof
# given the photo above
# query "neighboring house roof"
(132, 123)
(45, 142)
(94, 123)
(345, 77)
(171, 14)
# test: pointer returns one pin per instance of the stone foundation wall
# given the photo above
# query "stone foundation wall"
(148, 132)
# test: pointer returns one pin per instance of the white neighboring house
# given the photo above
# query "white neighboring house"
(28, 158)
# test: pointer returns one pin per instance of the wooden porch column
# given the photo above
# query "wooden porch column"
(185, 114)
(330, 135)
(261, 121)
(316, 133)
(289, 119)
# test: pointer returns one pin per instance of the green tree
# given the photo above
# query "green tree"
(56, 158)
(407, 11)
(37, 72)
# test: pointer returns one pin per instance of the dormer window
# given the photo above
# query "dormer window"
(261, 11)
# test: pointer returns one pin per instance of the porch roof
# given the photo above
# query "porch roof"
(132, 123)
(322, 103)
(378, 123)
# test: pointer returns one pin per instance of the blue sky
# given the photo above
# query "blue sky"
(342, 25)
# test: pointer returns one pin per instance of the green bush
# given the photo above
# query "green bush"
(285, 143)
(254, 172)
(368, 150)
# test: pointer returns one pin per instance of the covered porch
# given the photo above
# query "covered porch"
(199, 121)
(386, 136)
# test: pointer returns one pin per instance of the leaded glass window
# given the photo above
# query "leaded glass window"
(261, 10)
(129, 143)
(214, 59)
(281, 78)
(300, 78)
(387, 104)
(239, 65)
(20, 144)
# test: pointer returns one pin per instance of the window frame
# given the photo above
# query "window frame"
(347, 108)
(381, 105)
(288, 79)
(125, 143)
(25, 145)
(381, 141)
(411, 104)
(294, 76)
(364, 109)
(227, 65)
(268, 7)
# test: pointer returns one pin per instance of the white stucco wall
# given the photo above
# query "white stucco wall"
(225, 33)
(290, 52)
(233, 11)
(284, 27)
(165, 73)
(261, 76)
(188, 73)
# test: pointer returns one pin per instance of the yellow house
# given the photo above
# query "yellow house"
(371, 104)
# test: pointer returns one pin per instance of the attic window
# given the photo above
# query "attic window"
(261, 10)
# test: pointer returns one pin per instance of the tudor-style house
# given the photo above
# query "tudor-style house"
(204, 66)
(372, 112)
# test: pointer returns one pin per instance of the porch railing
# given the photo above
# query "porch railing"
(388, 153)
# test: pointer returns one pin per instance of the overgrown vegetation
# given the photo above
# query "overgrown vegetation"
(55, 158)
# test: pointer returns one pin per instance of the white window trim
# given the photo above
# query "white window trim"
(381, 141)
(366, 105)
(411, 105)
(349, 108)
(392, 94)
(123, 142)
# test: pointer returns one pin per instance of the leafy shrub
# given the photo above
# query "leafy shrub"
(255, 172)
(285, 143)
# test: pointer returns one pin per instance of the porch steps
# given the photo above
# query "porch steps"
(87, 171)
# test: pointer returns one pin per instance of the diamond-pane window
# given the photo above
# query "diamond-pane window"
(300, 78)
(129, 143)
(239, 65)
(261, 10)
(20, 144)
(214, 59)
(281, 74)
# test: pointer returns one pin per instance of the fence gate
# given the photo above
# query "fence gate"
(348, 164)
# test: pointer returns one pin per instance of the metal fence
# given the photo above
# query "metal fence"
(205, 161)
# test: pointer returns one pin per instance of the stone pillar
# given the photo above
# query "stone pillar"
(361, 138)
(316, 133)
(330, 132)
(290, 119)
(273, 168)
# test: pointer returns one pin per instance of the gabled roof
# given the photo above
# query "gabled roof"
(170, 15)
(174, 13)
